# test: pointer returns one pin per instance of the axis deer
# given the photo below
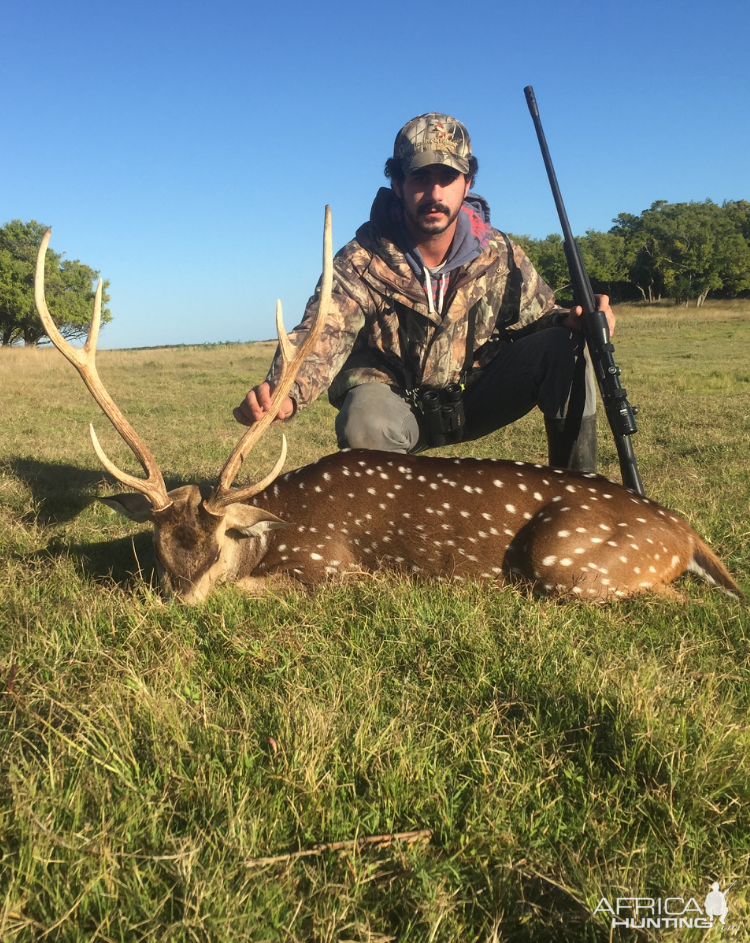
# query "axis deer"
(561, 531)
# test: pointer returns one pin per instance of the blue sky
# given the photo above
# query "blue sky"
(187, 150)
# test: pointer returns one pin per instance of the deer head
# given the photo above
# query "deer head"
(201, 535)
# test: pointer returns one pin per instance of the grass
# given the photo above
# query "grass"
(559, 753)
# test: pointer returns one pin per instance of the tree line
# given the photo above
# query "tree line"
(682, 251)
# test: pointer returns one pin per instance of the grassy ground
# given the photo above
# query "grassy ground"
(150, 754)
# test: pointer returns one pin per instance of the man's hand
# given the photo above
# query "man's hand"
(573, 321)
(257, 402)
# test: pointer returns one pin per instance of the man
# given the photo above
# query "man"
(427, 295)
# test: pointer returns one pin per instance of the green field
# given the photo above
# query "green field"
(151, 754)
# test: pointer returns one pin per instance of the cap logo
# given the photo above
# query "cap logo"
(437, 134)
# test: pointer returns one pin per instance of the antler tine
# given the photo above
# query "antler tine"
(292, 359)
(84, 360)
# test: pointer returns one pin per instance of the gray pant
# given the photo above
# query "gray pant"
(537, 370)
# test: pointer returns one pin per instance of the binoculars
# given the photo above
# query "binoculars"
(443, 412)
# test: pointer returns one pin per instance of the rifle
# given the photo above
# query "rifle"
(595, 328)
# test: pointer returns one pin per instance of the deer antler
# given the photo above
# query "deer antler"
(84, 360)
(292, 359)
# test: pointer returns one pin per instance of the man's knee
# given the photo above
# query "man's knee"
(374, 416)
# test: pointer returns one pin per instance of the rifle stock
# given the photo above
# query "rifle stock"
(595, 328)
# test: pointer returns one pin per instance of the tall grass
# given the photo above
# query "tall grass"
(558, 753)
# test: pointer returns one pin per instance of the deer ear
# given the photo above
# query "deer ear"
(251, 521)
(136, 507)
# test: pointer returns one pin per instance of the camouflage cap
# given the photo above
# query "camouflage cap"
(433, 139)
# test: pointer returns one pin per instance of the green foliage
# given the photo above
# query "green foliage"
(604, 257)
(679, 250)
(548, 257)
(687, 250)
(68, 287)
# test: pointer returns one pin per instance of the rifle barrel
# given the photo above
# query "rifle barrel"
(595, 329)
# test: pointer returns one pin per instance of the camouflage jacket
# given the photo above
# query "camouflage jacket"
(379, 328)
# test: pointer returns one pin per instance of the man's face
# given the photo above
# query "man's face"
(432, 197)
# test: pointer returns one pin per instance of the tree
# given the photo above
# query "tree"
(68, 287)
(548, 258)
(642, 250)
(604, 257)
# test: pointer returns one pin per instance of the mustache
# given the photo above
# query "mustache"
(434, 208)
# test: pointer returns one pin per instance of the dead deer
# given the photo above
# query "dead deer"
(560, 531)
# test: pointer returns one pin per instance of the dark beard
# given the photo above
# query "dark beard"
(432, 229)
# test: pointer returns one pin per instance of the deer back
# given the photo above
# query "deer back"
(458, 519)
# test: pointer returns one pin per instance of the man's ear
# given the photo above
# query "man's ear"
(136, 507)
(251, 521)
